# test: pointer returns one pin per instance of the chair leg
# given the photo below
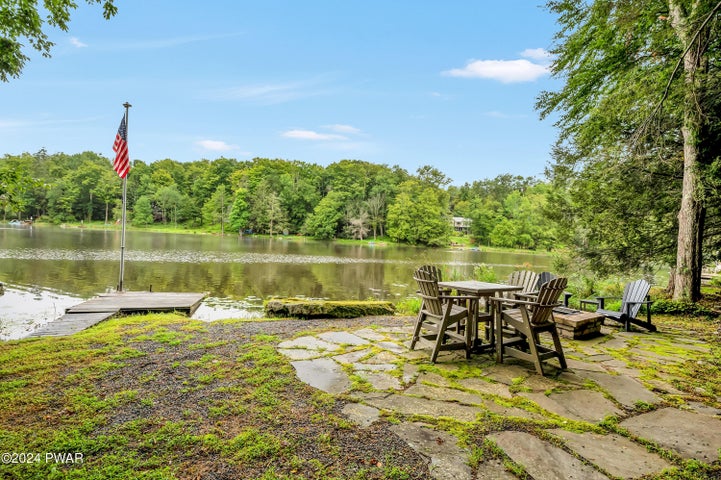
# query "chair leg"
(559, 348)
(417, 329)
(532, 346)
(439, 341)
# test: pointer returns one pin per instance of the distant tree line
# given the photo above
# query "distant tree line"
(346, 199)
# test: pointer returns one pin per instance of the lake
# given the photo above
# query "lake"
(237, 272)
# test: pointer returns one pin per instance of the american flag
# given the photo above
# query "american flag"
(120, 147)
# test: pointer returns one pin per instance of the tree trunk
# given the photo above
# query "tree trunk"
(687, 272)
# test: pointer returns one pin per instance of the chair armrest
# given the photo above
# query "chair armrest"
(524, 302)
(644, 302)
(456, 297)
(525, 294)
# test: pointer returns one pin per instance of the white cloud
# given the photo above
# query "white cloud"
(312, 135)
(75, 41)
(343, 129)
(506, 71)
(537, 54)
(216, 145)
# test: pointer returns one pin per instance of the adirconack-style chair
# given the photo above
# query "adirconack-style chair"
(635, 294)
(523, 278)
(443, 319)
(518, 329)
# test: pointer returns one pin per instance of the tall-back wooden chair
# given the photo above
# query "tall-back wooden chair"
(544, 277)
(523, 278)
(635, 294)
(518, 328)
(443, 320)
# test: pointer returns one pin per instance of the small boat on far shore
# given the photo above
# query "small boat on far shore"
(20, 223)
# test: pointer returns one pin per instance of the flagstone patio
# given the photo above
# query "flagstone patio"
(607, 382)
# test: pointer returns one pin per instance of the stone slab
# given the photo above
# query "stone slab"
(406, 405)
(444, 394)
(379, 380)
(343, 338)
(323, 374)
(627, 391)
(486, 387)
(448, 461)
(583, 405)
(361, 415)
(615, 454)
(542, 460)
(691, 435)
(310, 343)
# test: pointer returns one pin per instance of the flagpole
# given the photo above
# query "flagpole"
(125, 196)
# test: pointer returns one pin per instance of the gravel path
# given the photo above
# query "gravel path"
(163, 374)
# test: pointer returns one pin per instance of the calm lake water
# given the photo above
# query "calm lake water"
(247, 270)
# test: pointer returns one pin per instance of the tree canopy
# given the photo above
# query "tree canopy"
(346, 199)
(638, 151)
(23, 20)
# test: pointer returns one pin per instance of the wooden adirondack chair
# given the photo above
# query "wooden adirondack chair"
(518, 329)
(635, 294)
(524, 278)
(440, 315)
(544, 277)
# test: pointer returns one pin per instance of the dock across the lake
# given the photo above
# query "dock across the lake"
(107, 305)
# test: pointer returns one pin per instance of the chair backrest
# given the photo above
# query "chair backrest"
(523, 278)
(544, 277)
(547, 299)
(428, 291)
(634, 293)
(433, 270)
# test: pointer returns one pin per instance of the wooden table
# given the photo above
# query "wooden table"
(476, 290)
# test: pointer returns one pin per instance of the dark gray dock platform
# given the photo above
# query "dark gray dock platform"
(107, 305)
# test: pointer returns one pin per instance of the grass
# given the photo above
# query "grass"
(146, 397)
(161, 396)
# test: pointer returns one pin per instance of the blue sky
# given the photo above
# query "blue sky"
(450, 84)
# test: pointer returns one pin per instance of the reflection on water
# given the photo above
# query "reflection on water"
(248, 270)
(24, 310)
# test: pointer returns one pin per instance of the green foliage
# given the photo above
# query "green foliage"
(23, 20)
(484, 273)
(635, 170)
(142, 212)
(408, 306)
(419, 215)
(674, 307)
(347, 199)
(324, 222)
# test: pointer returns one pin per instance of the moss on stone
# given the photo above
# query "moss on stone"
(304, 308)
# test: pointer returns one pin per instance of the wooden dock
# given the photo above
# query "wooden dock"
(107, 305)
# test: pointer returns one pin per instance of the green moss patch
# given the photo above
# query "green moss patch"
(304, 308)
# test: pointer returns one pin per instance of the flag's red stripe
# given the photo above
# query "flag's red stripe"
(120, 147)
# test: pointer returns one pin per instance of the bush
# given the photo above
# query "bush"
(673, 307)
(484, 273)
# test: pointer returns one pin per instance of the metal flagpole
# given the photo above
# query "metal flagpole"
(125, 196)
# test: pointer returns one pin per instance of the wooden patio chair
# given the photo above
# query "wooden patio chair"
(518, 329)
(544, 277)
(524, 278)
(440, 315)
(635, 294)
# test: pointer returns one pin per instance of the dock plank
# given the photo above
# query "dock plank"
(131, 302)
(106, 305)
(71, 323)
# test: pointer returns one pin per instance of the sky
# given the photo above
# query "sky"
(446, 83)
